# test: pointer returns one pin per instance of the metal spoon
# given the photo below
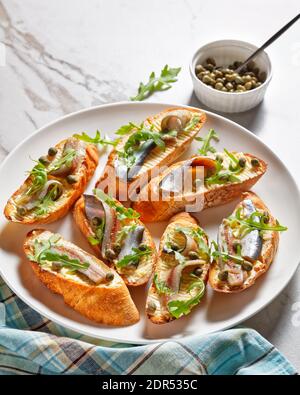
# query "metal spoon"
(267, 43)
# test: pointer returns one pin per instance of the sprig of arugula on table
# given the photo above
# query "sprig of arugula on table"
(155, 84)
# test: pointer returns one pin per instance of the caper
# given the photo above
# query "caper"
(193, 255)
(52, 151)
(218, 73)
(230, 77)
(248, 85)
(223, 275)
(109, 276)
(236, 246)
(250, 73)
(262, 76)
(171, 122)
(224, 89)
(229, 86)
(242, 162)
(211, 61)
(255, 162)
(247, 266)
(251, 65)
(44, 161)
(229, 71)
(219, 158)
(55, 266)
(219, 86)
(266, 217)
(246, 78)
(220, 80)
(143, 247)
(71, 179)
(231, 90)
(151, 306)
(206, 79)
(241, 88)
(199, 68)
(21, 211)
(239, 80)
(174, 247)
(110, 254)
(210, 67)
(198, 271)
(96, 221)
(117, 248)
(257, 84)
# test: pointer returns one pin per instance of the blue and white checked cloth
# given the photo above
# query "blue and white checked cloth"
(31, 344)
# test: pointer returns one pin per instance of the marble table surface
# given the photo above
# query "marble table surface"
(60, 56)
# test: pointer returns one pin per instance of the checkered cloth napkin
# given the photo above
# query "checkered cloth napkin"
(31, 344)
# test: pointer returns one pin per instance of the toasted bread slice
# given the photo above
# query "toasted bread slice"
(193, 120)
(106, 302)
(258, 250)
(82, 168)
(158, 202)
(180, 278)
(89, 207)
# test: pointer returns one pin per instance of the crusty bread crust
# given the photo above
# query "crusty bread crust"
(160, 210)
(270, 249)
(101, 303)
(85, 173)
(180, 219)
(166, 159)
(82, 222)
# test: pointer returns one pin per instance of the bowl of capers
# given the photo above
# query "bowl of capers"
(217, 82)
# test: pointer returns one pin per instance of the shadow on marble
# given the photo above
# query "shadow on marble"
(252, 120)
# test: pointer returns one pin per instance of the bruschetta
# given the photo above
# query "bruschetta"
(198, 183)
(86, 283)
(117, 236)
(247, 244)
(54, 184)
(144, 148)
(181, 274)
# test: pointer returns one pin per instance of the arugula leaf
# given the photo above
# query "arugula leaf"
(93, 241)
(122, 212)
(94, 140)
(161, 286)
(192, 123)
(39, 178)
(225, 256)
(44, 253)
(126, 129)
(178, 308)
(206, 146)
(134, 258)
(45, 204)
(144, 134)
(66, 160)
(223, 176)
(161, 83)
(251, 223)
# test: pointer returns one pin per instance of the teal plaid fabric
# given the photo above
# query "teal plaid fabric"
(31, 344)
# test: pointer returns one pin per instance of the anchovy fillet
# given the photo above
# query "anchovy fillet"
(252, 242)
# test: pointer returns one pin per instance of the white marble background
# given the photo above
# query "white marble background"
(64, 55)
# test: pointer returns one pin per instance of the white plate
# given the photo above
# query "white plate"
(216, 311)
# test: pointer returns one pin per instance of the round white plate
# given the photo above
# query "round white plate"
(217, 311)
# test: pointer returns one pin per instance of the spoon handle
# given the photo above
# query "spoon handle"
(270, 41)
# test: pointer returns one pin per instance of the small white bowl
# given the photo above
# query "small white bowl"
(225, 52)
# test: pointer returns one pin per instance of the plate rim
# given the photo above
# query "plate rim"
(163, 104)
